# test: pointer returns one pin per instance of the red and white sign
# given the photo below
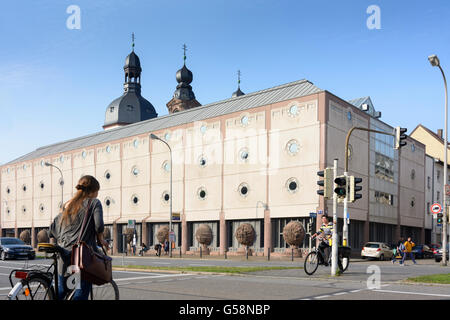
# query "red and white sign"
(436, 208)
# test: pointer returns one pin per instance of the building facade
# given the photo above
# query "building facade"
(252, 158)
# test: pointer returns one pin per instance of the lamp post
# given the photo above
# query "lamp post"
(48, 164)
(434, 60)
(154, 137)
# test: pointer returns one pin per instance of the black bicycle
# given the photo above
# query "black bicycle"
(316, 258)
(41, 283)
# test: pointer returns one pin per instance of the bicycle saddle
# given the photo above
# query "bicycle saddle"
(49, 247)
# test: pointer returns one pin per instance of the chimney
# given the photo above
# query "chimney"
(439, 133)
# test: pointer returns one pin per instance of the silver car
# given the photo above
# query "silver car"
(377, 250)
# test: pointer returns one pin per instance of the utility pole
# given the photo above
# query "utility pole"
(334, 245)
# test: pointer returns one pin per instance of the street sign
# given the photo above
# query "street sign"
(175, 216)
(436, 208)
(131, 224)
(312, 215)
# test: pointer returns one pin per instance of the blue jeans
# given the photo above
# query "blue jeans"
(408, 254)
(80, 294)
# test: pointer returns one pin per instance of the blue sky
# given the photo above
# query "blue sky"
(55, 83)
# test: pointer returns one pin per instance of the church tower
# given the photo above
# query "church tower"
(131, 107)
(184, 97)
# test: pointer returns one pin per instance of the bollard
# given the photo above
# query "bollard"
(246, 252)
(225, 253)
(268, 254)
(200, 252)
(292, 254)
(180, 252)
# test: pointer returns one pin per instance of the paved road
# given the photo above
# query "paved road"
(267, 285)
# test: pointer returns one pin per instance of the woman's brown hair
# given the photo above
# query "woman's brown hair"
(86, 186)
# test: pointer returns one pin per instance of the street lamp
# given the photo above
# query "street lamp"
(154, 137)
(434, 60)
(48, 164)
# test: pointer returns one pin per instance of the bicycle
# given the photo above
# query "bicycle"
(316, 258)
(42, 283)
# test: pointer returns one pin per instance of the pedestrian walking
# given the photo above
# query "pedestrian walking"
(408, 250)
(166, 246)
(398, 251)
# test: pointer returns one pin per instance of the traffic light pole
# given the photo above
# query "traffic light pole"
(346, 215)
(334, 245)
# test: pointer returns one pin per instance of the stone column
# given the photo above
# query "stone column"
(268, 245)
(223, 233)
(116, 239)
(33, 237)
(184, 234)
(144, 232)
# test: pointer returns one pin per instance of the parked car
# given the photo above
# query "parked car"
(422, 251)
(12, 248)
(438, 254)
(377, 250)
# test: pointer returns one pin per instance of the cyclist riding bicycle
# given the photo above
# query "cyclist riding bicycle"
(326, 230)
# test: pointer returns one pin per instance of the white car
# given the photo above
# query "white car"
(377, 250)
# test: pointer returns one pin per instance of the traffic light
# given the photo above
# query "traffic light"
(440, 217)
(399, 137)
(326, 183)
(354, 188)
(341, 190)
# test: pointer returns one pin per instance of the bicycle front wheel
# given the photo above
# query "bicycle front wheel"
(311, 263)
(36, 288)
(108, 291)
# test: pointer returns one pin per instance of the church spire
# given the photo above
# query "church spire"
(183, 97)
(238, 92)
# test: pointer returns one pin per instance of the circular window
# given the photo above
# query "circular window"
(203, 129)
(136, 143)
(24, 209)
(201, 193)
(167, 136)
(292, 185)
(243, 189)
(8, 190)
(108, 149)
(108, 202)
(292, 147)
(135, 199)
(24, 188)
(244, 120)
(202, 161)
(166, 166)
(413, 202)
(41, 185)
(41, 208)
(8, 211)
(135, 171)
(165, 196)
(107, 175)
(413, 174)
(243, 154)
(293, 110)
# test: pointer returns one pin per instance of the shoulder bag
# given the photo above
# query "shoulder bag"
(94, 267)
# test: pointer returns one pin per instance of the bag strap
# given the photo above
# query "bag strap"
(82, 231)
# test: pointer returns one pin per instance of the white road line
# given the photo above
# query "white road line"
(153, 277)
(321, 297)
(5, 288)
(339, 293)
(416, 293)
(355, 291)
(134, 272)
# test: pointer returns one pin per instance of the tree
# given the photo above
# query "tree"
(204, 237)
(294, 234)
(25, 236)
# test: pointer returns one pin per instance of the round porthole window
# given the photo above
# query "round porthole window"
(107, 175)
(244, 121)
(8, 190)
(203, 129)
(201, 193)
(292, 185)
(243, 154)
(243, 189)
(413, 202)
(41, 208)
(24, 209)
(135, 199)
(166, 166)
(292, 147)
(24, 188)
(8, 211)
(108, 202)
(41, 185)
(293, 110)
(135, 171)
(165, 197)
(202, 161)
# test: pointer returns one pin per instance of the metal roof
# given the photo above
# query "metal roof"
(235, 104)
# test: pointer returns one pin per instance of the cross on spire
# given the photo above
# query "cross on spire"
(184, 50)
(132, 41)
(239, 78)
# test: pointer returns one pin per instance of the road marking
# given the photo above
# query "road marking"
(416, 293)
(152, 277)
(200, 265)
(321, 297)
(355, 291)
(339, 293)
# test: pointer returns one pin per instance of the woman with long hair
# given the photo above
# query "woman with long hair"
(66, 228)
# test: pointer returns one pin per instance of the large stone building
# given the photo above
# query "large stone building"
(250, 158)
